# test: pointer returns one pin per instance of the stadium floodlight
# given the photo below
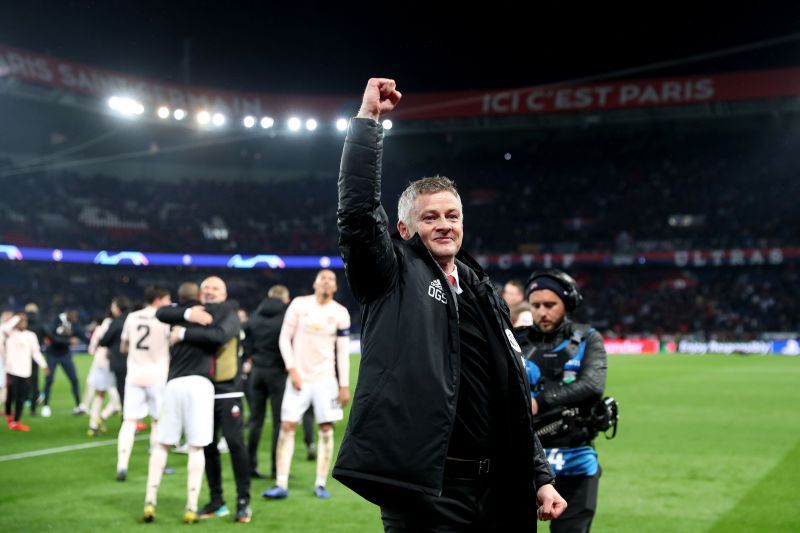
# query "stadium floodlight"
(294, 124)
(125, 106)
(203, 117)
(179, 114)
(163, 112)
(387, 124)
(218, 119)
(311, 124)
(267, 122)
(341, 124)
(249, 121)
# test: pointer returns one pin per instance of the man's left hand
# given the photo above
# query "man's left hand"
(550, 502)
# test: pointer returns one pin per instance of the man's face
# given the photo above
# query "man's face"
(22, 325)
(213, 291)
(548, 309)
(512, 294)
(325, 284)
(439, 221)
(115, 310)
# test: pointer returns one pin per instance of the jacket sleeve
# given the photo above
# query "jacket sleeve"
(288, 330)
(590, 382)
(364, 241)
(171, 314)
(217, 333)
(112, 333)
(542, 473)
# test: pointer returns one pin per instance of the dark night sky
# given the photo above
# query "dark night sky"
(332, 47)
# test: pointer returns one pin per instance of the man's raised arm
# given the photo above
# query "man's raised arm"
(364, 240)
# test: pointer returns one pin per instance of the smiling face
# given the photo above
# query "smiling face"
(213, 291)
(438, 219)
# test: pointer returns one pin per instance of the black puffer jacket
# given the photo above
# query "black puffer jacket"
(404, 405)
(263, 331)
(553, 393)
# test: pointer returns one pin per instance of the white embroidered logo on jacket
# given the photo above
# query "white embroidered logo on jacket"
(436, 292)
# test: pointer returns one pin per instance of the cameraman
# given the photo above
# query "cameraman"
(566, 364)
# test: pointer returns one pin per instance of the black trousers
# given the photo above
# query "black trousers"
(267, 384)
(33, 383)
(16, 394)
(229, 419)
(464, 506)
(581, 495)
(69, 368)
(120, 375)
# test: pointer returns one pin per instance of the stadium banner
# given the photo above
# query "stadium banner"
(786, 347)
(725, 347)
(543, 99)
(680, 258)
(10, 252)
(632, 346)
(694, 258)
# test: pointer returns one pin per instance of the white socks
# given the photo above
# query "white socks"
(155, 469)
(153, 434)
(324, 456)
(94, 412)
(125, 443)
(196, 466)
(283, 459)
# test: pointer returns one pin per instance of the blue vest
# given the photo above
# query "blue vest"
(581, 460)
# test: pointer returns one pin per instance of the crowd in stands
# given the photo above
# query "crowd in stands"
(617, 189)
(649, 187)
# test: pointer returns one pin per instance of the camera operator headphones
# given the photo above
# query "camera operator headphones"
(570, 294)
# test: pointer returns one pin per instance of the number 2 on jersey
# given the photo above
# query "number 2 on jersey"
(140, 343)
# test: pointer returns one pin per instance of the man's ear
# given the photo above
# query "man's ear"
(405, 232)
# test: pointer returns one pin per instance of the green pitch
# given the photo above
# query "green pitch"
(706, 443)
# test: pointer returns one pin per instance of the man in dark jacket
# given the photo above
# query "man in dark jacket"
(118, 361)
(62, 335)
(566, 364)
(268, 374)
(35, 325)
(440, 433)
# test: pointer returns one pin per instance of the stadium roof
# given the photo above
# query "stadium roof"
(332, 47)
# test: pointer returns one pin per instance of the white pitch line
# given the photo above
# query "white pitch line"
(62, 449)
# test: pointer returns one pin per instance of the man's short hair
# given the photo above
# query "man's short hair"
(423, 186)
(517, 310)
(278, 292)
(123, 303)
(31, 308)
(188, 291)
(518, 284)
(151, 294)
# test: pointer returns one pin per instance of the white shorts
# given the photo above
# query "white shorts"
(141, 401)
(188, 408)
(323, 395)
(101, 379)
